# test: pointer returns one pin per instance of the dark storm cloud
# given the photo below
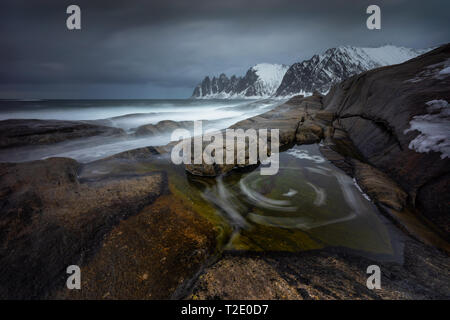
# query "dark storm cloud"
(163, 48)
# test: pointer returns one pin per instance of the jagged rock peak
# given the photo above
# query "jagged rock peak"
(260, 81)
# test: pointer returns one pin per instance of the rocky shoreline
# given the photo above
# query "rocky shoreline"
(330, 273)
(348, 142)
(138, 231)
(26, 132)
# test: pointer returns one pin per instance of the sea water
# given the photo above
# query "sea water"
(124, 114)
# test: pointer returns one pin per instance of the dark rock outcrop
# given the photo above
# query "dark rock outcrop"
(221, 84)
(50, 220)
(163, 127)
(292, 119)
(364, 128)
(22, 132)
(379, 186)
(376, 107)
(135, 234)
(115, 218)
(383, 191)
(324, 274)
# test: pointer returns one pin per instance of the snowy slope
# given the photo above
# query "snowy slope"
(337, 64)
(269, 78)
(260, 81)
(381, 56)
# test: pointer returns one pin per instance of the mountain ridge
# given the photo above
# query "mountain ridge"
(318, 73)
(260, 81)
(324, 70)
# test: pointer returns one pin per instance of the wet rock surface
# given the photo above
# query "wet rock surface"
(149, 255)
(379, 186)
(129, 224)
(292, 119)
(325, 274)
(22, 132)
(389, 196)
(163, 127)
(50, 220)
(361, 124)
(56, 213)
(376, 107)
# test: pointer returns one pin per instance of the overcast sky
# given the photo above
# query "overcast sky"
(162, 49)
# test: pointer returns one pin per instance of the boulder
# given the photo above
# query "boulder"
(325, 116)
(309, 132)
(379, 186)
(305, 136)
(294, 121)
(163, 127)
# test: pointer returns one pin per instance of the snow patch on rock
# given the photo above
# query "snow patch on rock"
(365, 195)
(445, 71)
(434, 129)
(303, 154)
(439, 71)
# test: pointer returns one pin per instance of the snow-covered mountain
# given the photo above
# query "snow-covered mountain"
(337, 64)
(260, 81)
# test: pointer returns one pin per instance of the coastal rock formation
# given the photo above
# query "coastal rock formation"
(115, 218)
(162, 127)
(379, 186)
(378, 108)
(149, 255)
(138, 229)
(287, 118)
(51, 219)
(22, 132)
(309, 132)
(366, 128)
(381, 189)
(324, 274)
(217, 86)
(337, 64)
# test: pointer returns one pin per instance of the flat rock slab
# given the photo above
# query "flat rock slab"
(149, 255)
(23, 132)
(325, 274)
(53, 215)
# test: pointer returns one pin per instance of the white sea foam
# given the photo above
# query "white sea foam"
(303, 154)
(127, 115)
(290, 193)
(361, 190)
(263, 201)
